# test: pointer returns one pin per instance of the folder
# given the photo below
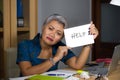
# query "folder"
(44, 77)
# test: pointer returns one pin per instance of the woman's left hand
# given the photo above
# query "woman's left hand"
(93, 30)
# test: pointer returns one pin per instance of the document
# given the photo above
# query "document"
(60, 73)
(78, 36)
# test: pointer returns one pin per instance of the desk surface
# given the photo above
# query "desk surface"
(113, 76)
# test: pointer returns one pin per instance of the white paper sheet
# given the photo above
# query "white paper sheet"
(78, 36)
(65, 72)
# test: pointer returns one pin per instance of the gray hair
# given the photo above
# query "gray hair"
(58, 18)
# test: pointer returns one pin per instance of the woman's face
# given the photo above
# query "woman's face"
(52, 32)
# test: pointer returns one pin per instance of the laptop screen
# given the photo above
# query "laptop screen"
(115, 59)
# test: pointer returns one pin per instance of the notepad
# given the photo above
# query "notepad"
(44, 77)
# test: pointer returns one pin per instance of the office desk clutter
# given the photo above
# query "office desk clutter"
(97, 69)
(61, 75)
(72, 78)
(83, 74)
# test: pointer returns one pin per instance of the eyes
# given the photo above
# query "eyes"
(58, 32)
(50, 28)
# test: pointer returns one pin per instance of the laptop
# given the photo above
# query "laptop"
(115, 60)
(106, 71)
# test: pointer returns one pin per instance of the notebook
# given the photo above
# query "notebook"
(100, 69)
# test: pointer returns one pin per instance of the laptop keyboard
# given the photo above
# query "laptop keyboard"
(97, 69)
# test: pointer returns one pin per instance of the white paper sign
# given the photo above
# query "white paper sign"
(78, 36)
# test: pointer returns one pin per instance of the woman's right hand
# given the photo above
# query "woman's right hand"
(61, 52)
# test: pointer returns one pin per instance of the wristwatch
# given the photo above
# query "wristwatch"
(52, 61)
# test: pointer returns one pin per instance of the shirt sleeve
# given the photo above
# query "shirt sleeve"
(68, 56)
(23, 52)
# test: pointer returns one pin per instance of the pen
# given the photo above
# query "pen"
(70, 76)
(56, 74)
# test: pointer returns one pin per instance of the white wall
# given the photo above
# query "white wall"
(77, 12)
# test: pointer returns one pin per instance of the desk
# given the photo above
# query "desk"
(66, 71)
(113, 76)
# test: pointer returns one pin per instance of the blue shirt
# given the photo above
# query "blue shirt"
(28, 50)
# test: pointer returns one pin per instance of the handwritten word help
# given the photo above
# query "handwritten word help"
(77, 35)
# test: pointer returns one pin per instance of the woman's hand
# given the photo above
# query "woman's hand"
(93, 30)
(61, 52)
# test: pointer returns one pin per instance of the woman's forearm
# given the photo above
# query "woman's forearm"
(84, 55)
(82, 58)
(37, 69)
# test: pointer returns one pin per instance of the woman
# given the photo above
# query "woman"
(44, 52)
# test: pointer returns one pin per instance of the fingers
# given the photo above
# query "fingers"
(62, 51)
(65, 49)
(93, 30)
(91, 22)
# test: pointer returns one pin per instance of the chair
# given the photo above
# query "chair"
(11, 68)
